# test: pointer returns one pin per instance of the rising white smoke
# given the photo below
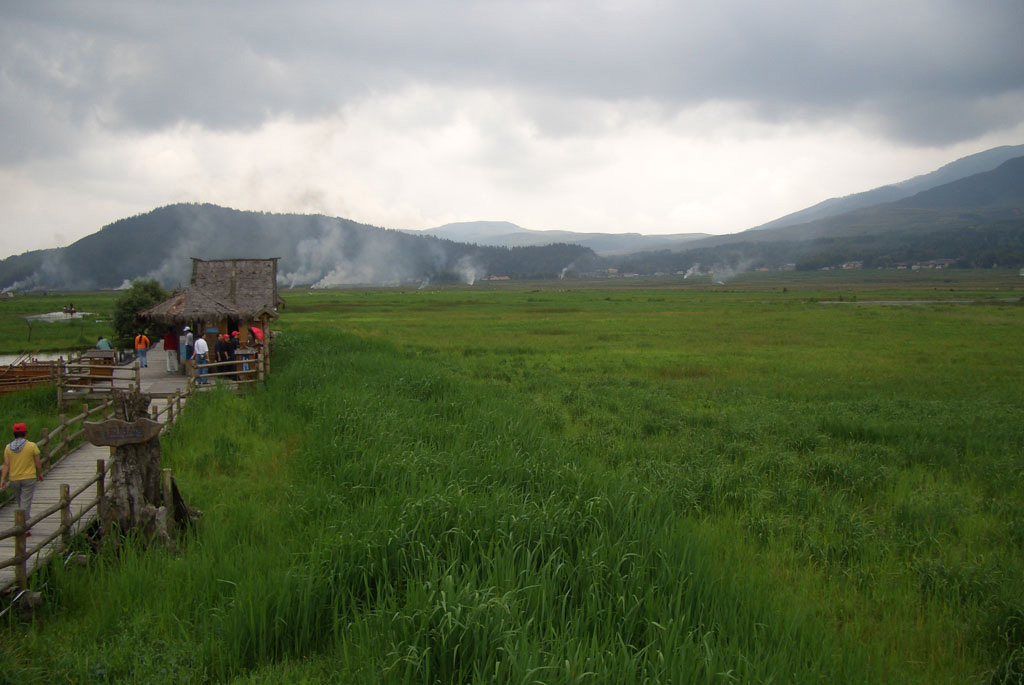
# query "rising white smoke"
(468, 270)
(721, 273)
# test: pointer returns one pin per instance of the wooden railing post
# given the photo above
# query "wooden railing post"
(170, 410)
(101, 472)
(61, 380)
(65, 515)
(165, 486)
(20, 567)
(138, 375)
(62, 433)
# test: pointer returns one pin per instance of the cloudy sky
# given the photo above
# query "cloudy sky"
(603, 115)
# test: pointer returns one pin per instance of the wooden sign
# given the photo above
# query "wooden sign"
(115, 432)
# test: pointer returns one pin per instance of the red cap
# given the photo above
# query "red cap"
(20, 428)
(234, 333)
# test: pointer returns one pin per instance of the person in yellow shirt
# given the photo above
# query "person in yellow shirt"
(21, 469)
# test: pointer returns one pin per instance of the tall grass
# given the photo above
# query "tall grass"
(647, 487)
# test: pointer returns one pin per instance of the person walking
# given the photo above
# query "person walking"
(232, 350)
(202, 357)
(171, 350)
(190, 349)
(142, 349)
(21, 470)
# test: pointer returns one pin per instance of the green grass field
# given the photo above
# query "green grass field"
(587, 482)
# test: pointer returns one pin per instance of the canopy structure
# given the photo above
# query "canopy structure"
(191, 305)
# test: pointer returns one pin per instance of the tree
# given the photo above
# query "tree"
(141, 295)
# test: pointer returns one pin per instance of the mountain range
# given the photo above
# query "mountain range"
(506, 234)
(968, 213)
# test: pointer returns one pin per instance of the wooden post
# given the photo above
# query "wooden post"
(62, 432)
(101, 471)
(165, 487)
(170, 410)
(138, 376)
(65, 514)
(60, 382)
(20, 567)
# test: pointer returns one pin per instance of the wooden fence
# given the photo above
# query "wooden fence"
(22, 552)
(239, 372)
(79, 379)
(56, 444)
(15, 377)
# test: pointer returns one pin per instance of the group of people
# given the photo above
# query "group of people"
(184, 347)
(224, 350)
(21, 469)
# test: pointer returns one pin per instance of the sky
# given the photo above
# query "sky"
(612, 116)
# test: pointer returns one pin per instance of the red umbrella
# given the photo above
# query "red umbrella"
(258, 332)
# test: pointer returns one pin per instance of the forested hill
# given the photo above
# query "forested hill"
(314, 250)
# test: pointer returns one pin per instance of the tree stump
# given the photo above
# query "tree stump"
(134, 496)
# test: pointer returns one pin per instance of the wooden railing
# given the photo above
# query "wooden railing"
(78, 378)
(22, 552)
(240, 372)
(171, 410)
(19, 377)
(56, 444)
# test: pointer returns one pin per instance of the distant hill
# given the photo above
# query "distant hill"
(967, 219)
(314, 250)
(974, 221)
(505, 234)
(954, 171)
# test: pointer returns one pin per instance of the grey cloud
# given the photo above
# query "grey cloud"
(146, 65)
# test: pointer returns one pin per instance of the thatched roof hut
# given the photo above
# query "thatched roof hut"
(225, 295)
(188, 306)
(240, 289)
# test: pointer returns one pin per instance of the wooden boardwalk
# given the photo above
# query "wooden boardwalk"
(74, 470)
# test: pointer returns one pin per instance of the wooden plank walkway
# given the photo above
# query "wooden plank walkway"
(74, 470)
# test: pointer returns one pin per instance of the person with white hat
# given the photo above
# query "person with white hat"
(189, 343)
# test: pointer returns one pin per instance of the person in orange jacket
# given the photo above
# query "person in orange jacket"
(142, 348)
